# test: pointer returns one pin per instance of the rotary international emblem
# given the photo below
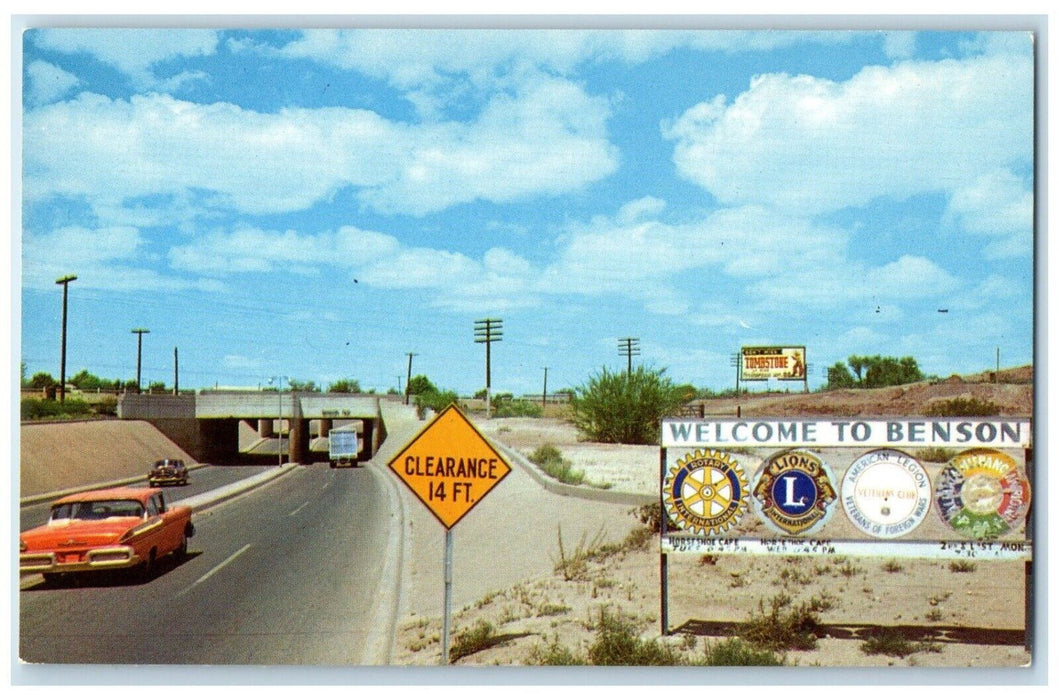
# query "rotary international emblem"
(706, 492)
(793, 492)
(982, 493)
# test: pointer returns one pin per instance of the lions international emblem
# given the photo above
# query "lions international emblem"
(794, 492)
(706, 492)
(982, 493)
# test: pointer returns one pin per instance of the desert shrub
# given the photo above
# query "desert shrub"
(517, 409)
(736, 652)
(782, 626)
(107, 406)
(554, 654)
(436, 401)
(574, 565)
(650, 514)
(472, 640)
(625, 407)
(617, 644)
(960, 406)
(892, 643)
(552, 463)
(36, 409)
(962, 567)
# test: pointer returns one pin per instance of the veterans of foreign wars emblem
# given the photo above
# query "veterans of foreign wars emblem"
(982, 493)
(886, 493)
(794, 492)
(706, 492)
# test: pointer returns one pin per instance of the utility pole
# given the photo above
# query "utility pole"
(65, 282)
(408, 382)
(996, 377)
(544, 395)
(629, 347)
(176, 372)
(488, 331)
(139, 353)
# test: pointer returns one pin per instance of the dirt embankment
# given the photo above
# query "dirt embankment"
(1013, 398)
(56, 456)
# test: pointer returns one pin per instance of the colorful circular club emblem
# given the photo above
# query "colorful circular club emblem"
(793, 492)
(982, 493)
(886, 493)
(706, 492)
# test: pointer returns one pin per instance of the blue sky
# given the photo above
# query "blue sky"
(318, 204)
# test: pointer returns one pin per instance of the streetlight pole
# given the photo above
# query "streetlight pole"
(279, 428)
(139, 353)
(65, 282)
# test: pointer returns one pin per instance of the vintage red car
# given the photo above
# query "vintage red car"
(120, 528)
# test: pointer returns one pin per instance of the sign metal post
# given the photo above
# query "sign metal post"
(450, 467)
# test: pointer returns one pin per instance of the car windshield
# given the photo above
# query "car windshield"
(98, 510)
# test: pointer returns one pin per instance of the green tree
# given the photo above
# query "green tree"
(839, 377)
(890, 371)
(43, 380)
(345, 386)
(308, 387)
(857, 363)
(419, 384)
(625, 408)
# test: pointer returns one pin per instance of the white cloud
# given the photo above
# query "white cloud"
(856, 286)
(997, 205)
(104, 258)
(809, 145)
(135, 52)
(249, 249)
(47, 82)
(640, 208)
(621, 256)
(416, 58)
(548, 141)
(899, 44)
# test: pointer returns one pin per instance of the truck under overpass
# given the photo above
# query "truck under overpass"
(206, 425)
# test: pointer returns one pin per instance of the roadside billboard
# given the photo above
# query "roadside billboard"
(758, 363)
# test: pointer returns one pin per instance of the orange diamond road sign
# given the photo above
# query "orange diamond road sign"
(450, 466)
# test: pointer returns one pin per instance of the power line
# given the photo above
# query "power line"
(629, 347)
(488, 331)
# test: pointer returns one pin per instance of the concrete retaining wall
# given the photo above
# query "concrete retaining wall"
(55, 456)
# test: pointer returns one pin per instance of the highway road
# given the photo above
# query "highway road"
(299, 571)
(200, 480)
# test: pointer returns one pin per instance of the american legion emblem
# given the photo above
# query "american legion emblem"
(982, 493)
(886, 493)
(706, 492)
(794, 492)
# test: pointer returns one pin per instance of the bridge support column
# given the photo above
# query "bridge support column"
(367, 447)
(299, 441)
(265, 428)
(325, 427)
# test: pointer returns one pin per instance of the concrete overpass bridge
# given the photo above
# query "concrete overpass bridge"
(207, 425)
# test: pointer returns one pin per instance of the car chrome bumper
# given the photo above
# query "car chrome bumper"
(94, 560)
(166, 479)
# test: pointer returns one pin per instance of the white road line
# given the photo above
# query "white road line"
(214, 570)
(293, 512)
